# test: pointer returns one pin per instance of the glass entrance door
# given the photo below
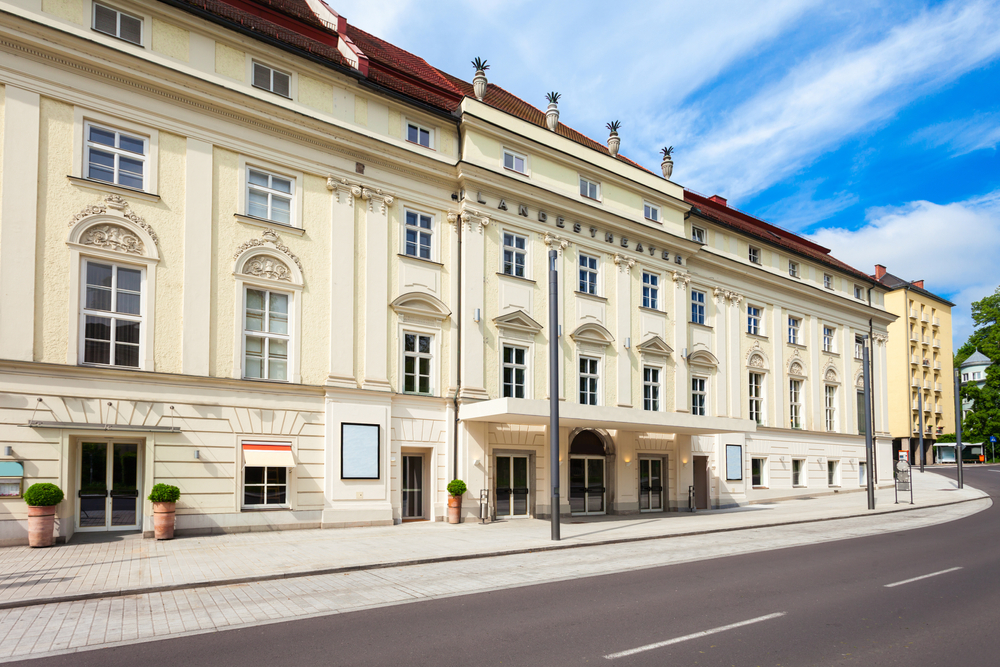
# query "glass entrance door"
(413, 487)
(586, 485)
(511, 484)
(109, 486)
(651, 485)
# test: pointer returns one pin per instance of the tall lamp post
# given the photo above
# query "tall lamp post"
(554, 389)
(921, 408)
(958, 427)
(869, 445)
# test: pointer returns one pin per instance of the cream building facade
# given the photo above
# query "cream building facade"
(252, 251)
(921, 365)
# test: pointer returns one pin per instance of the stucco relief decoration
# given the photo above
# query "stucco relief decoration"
(756, 357)
(554, 242)
(624, 264)
(269, 236)
(756, 361)
(681, 279)
(796, 369)
(472, 216)
(263, 266)
(384, 199)
(831, 375)
(115, 205)
(860, 381)
(723, 295)
(881, 338)
(112, 237)
(343, 189)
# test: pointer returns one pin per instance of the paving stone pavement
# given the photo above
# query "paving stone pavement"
(47, 628)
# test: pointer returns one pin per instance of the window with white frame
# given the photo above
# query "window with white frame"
(651, 388)
(794, 327)
(514, 371)
(115, 157)
(754, 255)
(419, 230)
(418, 134)
(859, 292)
(112, 314)
(417, 358)
(265, 335)
(754, 321)
(697, 234)
(590, 189)
(862, 473)
(859, 347)
(117, 24)
(265, 486)
(650, 290)
(267, 78)
(756, 387)
(827, 281)
(269, 196)
(829, 339)
(795, 403)
(515, 161)
(798, 472)
(588, 274)
(862, 418)
(514, 254)
(699, 397)
(832, 472)
(758, 471)
(793, 269)
(697, 306)
(965, 377)
(830, 407)
(650, 211)
(589, 380)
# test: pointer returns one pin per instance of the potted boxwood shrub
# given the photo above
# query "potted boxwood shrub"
(164, 498)
(456, 488)
(42, 499)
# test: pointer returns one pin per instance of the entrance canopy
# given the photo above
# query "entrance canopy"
(528, 411)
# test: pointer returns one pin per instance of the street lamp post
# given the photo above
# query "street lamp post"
(869, 445)
(958, 427)
(554, 389)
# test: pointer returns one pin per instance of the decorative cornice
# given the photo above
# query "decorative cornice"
(115, 205)
(268, 236)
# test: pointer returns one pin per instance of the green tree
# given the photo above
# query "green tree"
(986, 337)
(984, 418)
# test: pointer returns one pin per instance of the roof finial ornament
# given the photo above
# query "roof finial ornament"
(552, 113)
(479, 82)
(668, 161)
(613, 140)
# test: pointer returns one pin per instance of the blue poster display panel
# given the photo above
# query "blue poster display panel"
(359, 451)
(734, 462)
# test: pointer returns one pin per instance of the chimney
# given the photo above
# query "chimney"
(918, 283)
(718, 200)
(879, 271)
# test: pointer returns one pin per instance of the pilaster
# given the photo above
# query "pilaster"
(474, 224)
(376, 344)
(197, 288)
(624, 306)
(343, 254)
(682, 312)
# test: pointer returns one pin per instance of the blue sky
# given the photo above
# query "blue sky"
(872, 127)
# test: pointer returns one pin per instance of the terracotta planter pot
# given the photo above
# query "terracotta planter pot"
(41, 522)
(163, 520)
(454, 509)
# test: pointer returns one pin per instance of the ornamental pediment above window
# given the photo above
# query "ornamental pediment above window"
(112, 226)
(654, 347)
(419, 307)
(518, 324)
(269, 259)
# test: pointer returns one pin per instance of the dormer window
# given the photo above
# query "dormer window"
(270, 79)
(418, 134)
(754, 255)
(118, 24)
(793, 269)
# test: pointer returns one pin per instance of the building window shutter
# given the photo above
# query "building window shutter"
(131, 29)
(281, 83)
(105, 20)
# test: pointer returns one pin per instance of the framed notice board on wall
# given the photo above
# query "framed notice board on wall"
(734, 462)
(360, 453)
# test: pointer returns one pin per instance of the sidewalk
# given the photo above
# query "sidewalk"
(131, 565)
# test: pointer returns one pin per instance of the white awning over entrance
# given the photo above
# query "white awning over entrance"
(268, 454)
(526, 411)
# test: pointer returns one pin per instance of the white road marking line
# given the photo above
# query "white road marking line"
(932, 574)
(696, 635)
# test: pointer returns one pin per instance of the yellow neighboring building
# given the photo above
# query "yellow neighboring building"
(920, 363)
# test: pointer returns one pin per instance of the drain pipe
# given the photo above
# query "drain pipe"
(458, 368)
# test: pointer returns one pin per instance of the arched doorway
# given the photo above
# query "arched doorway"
(587, 474)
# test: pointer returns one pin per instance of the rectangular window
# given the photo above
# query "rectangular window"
(651, 212)
(416, 363)
(419, 231)
(798, 472)
(756, 387)
(697, 234)
(793, 269)
(827, 281)
(965, 377)
(829, 336)
(588, 274)
(861, 413)
(514, 370)
(650, 290)
(588, 380)
(754, 255)
(270, 79)
(859, 347)
(794, 325)
(514, 254)
(795, 403)
(418, 134)
(859, 292)
(265, 486)
(651, 389)
(758, 472)
(112, 314)
(265, 335)
(697, 307)
(862, 473)
(833, 472)
(830, 406)
(269, 196)
(753, 321)
(590, 189)
(698, 396)
(115, 157)
(117, 24)
(515, 162)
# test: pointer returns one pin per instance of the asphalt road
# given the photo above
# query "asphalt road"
(827, 604)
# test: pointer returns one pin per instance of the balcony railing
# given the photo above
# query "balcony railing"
(937, 365)
(927, 362)
(937, 342)
(937, 321)
(926, 340)
(925, 318)
(937, 386)
(914, 359)
(913, 313)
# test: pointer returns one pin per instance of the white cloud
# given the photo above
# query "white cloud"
(981, 131)
(803, 208)
(952, 247)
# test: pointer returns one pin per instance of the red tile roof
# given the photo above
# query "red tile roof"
(748, 224)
